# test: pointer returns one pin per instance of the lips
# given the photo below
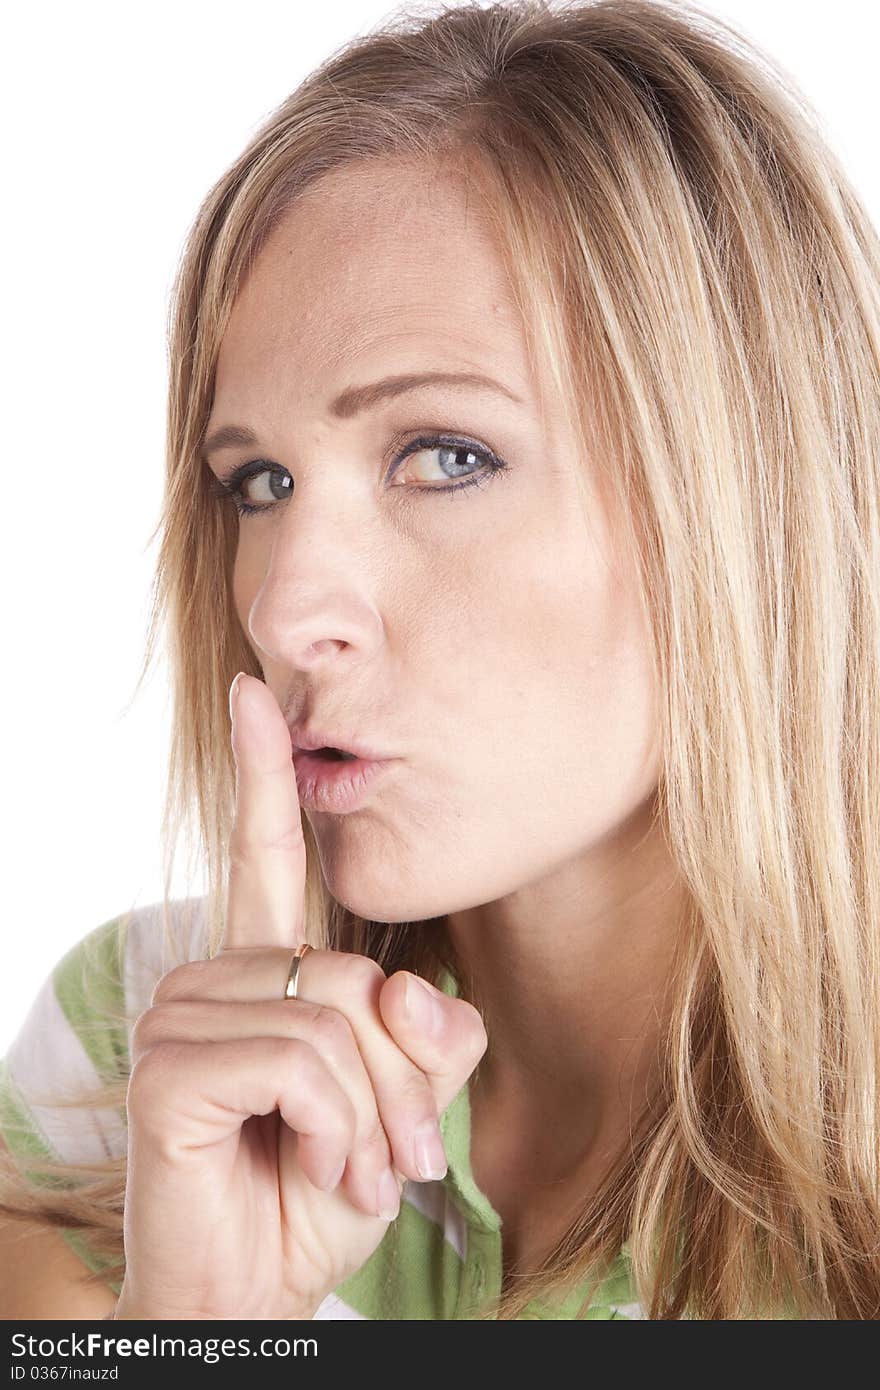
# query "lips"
(310, 740)
(334, 784)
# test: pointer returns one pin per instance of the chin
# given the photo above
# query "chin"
(373, 885)
(382, 901)
(385, 908)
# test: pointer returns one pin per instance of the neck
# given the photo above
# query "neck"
(571, 976)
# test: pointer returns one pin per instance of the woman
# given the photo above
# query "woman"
(617, 712)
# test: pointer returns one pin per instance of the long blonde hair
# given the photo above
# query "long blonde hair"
(703, 282)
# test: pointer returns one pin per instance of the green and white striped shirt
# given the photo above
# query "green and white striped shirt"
(440, 1258)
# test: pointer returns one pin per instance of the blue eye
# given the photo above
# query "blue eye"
(460, 455)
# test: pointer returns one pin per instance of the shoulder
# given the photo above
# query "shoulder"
(107, 977)
(153, 940)
(75, 1037)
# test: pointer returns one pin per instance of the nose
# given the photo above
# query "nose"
(316, 652)
(299, 626)
(311, 602)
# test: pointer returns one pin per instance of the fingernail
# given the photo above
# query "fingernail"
(388, 1196)
(429, 1151)
(421, 1006)
(233, 692)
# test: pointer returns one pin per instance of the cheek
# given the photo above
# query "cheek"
(566, 670)
(538, 655)
(613, 715)
(247, 575)
(605, 707)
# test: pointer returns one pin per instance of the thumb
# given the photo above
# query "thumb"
(443, 1036)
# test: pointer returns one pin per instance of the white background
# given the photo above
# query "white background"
(116, 121)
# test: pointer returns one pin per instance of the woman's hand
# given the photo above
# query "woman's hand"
(245, 1107)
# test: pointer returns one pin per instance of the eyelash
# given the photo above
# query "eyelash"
(230, 486)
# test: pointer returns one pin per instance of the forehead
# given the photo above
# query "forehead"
(380, 264)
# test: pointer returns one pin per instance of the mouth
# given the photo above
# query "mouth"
(331, 755)
(331, 744)
(329, 779)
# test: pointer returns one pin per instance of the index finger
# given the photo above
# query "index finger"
(267, 852)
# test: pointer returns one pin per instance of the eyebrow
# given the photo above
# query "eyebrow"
(355, 399)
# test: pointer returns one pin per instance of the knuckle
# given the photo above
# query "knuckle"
(298, 1056)
(336, 1111)
(373, 1143)
(237, 854)
(288, 841)
(150, 1075)
(478, 1038)
(361, 974)
(346, 1120)
(293, 1047)
(244, 845)
(149, 1027)
(182, 980)
(332, 1030)
(413, 1091)
(242, 852)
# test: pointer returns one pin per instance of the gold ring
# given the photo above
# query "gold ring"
(293, 975)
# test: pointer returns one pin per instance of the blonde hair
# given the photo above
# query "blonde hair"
(703, 283)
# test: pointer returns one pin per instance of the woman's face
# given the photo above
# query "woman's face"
(487, 637)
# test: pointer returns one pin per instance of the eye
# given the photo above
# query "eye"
(257, 471)
(459, 458)
(453, 458)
